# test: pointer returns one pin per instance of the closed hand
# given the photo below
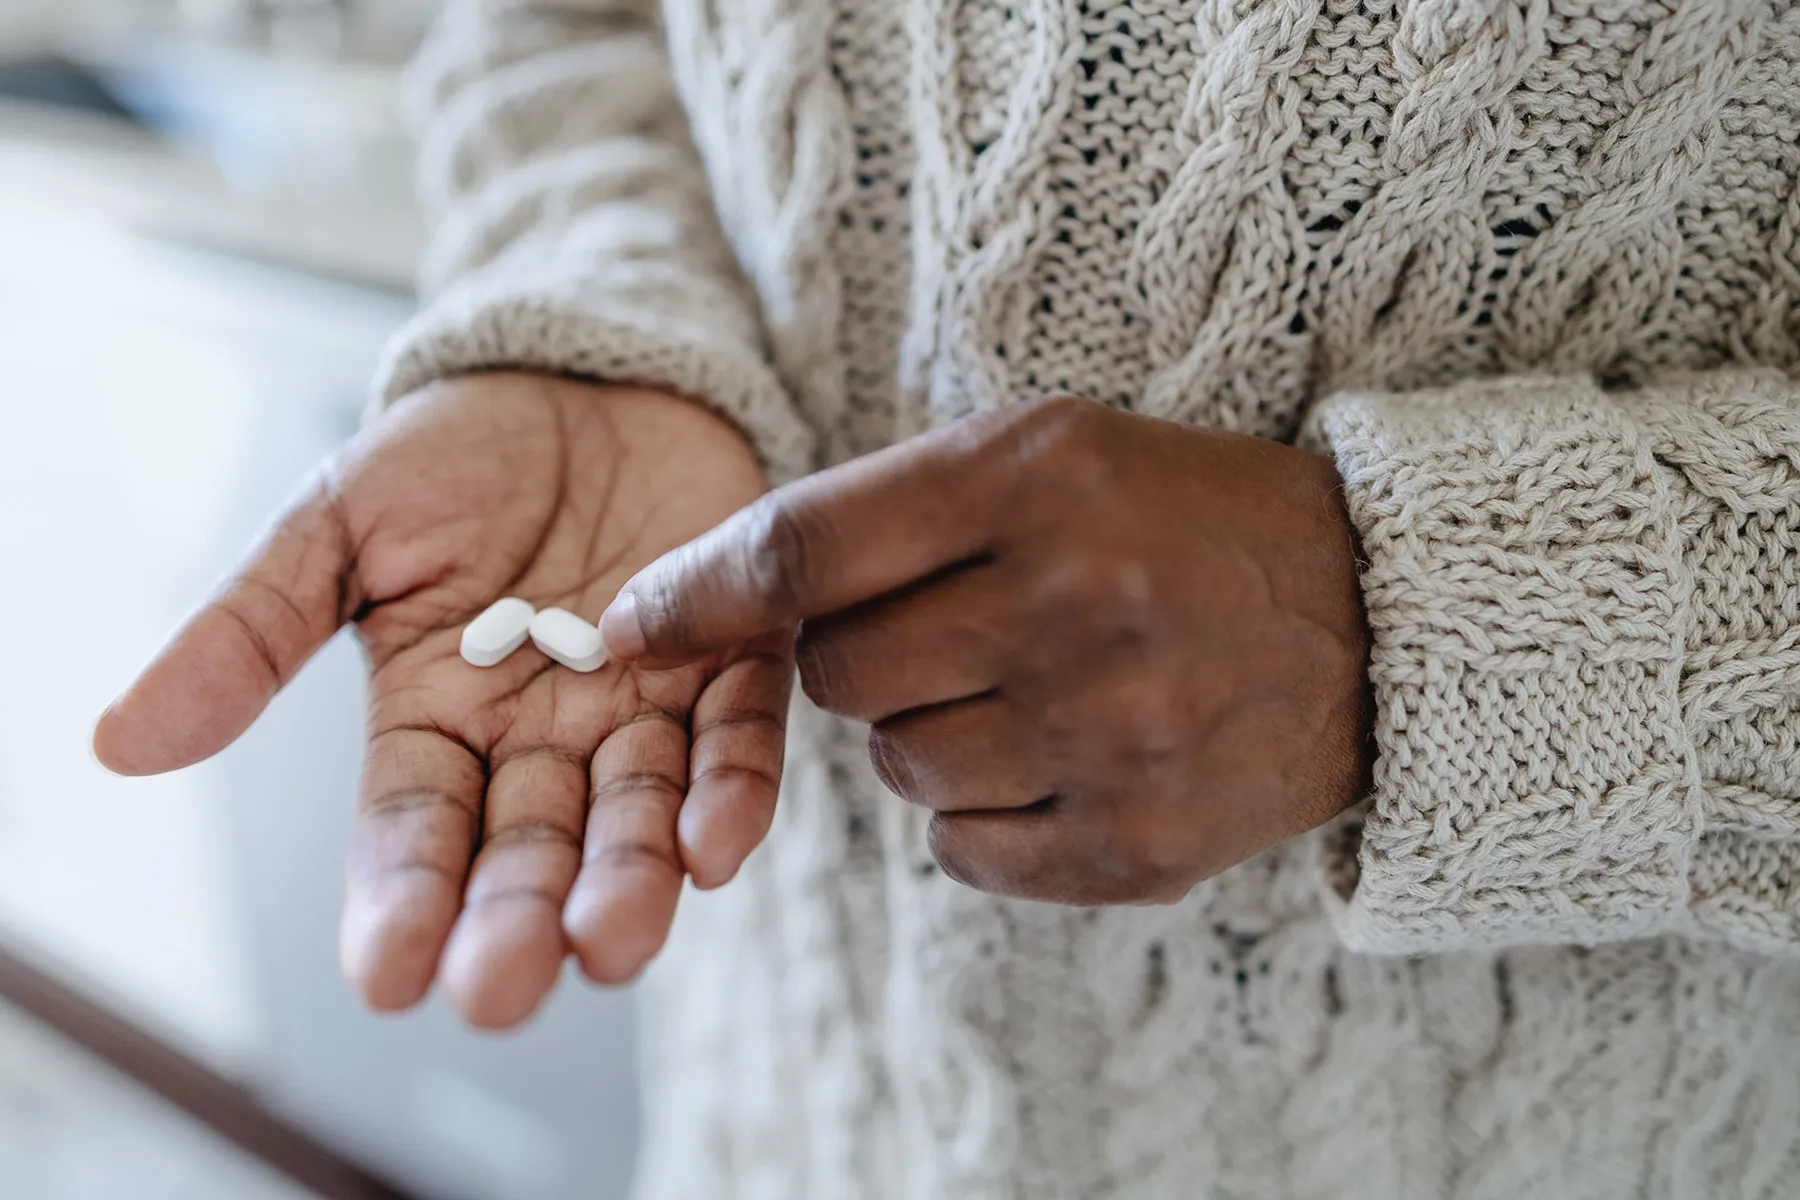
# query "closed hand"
(1112, 655)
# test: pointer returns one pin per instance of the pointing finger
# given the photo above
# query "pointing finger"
(815, 546)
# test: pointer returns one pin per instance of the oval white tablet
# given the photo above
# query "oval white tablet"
(568, 639)
(497, 632)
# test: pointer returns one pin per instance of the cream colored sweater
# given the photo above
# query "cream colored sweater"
(1529, 268)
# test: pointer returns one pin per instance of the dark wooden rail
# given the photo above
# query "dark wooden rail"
(229, 1109)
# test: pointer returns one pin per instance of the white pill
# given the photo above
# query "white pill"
(497, 632)
(568, 639)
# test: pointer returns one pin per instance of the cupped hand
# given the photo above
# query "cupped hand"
(1113, 655)
(510, 815)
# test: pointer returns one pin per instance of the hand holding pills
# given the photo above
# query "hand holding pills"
(542, 802)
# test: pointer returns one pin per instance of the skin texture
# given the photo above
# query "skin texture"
(1113, 655)
(508, 816)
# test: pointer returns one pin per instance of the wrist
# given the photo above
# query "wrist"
(1341, 547)
(657, 423)
(1312, 558)
(665, 424)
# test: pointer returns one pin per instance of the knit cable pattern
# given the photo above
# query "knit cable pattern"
(1530, 269)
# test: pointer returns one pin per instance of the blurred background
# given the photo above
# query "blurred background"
(206, 235)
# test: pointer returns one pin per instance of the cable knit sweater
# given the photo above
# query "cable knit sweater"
(1530, 269)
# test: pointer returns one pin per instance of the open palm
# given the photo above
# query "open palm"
(508, 816)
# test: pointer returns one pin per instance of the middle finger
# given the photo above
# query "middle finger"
(946, 639)
(507, 947)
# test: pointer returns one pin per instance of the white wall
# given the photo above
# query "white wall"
(129, 393)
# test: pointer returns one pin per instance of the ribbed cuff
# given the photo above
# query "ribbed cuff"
(475, 328)
(1528, 604)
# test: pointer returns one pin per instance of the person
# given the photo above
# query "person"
(1300, 497)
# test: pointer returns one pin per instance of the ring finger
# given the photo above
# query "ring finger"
(946, 639)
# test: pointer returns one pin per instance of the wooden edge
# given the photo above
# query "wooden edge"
(229, 1109)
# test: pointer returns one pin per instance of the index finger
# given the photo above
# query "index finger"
(817, 545)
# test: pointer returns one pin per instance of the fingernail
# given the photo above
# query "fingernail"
(621, 630)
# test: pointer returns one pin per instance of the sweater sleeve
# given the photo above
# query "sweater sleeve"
(572, 226)
(1585, 618)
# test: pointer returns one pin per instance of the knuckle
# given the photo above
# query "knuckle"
(1061, 428)
(1057, 418)
(255, 637)
(888, 759)
(1156, 868)
(826, 675)
(532, 836)
(1044, 446)
(416, 805)
(634, 852)
(1124, 588)
(660, 612)
(781, 555)
(1147, 717)
(1104, 593)
(1014, 874)
(954, 856)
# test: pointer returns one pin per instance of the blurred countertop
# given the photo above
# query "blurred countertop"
(296, 161)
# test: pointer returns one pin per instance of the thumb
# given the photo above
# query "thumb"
(222, 668)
